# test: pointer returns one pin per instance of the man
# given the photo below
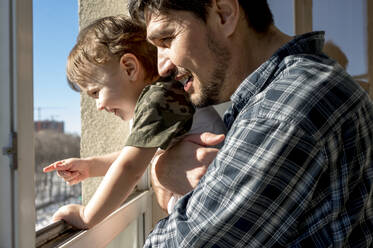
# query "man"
(296, 169)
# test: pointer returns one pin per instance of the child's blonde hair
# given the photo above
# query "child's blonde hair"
(105, 40)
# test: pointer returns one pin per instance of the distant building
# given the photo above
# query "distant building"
(58, 126)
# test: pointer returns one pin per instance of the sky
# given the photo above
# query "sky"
(56, 28)
(344, 23)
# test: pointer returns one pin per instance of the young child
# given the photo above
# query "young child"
(113, 63)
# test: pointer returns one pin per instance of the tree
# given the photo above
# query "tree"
(51, 146)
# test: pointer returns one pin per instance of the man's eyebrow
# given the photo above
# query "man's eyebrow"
(158, 34)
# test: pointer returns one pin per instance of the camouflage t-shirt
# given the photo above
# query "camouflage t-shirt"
(162, 113)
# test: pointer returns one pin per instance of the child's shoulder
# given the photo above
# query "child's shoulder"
(167, 94)
(171, 87)
(162, 113)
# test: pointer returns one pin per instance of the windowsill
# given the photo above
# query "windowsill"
(60, 234)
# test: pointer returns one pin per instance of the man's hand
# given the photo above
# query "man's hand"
(73, 214)
(72, 170)
(180, 168)
(163, 195)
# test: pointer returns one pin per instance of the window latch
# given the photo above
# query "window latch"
(11, 151)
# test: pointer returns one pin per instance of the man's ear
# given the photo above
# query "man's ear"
(227, 15)
(131, 66)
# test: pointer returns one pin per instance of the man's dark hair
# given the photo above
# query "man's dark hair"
(257, 12)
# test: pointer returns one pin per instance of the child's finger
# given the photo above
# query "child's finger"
(51, 167)
(72, 176)
(76, 179)
(62, 165)
(59, 165)
(72, 182)
(48, 168)
(64, 174)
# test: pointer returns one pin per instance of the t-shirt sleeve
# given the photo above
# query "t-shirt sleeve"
(162, 112)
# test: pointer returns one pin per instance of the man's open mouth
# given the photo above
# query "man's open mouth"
(186, 81)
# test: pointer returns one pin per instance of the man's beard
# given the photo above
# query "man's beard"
(211, 90)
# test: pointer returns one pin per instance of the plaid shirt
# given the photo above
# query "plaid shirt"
(296, 169)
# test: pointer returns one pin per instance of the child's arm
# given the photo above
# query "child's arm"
(75, 170)
(117, 184)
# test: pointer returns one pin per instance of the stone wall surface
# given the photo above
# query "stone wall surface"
(102, 132)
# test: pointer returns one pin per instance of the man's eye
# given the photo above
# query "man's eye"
(166, 41)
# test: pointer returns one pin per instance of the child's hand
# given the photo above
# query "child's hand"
(73, 214)
(72, 170)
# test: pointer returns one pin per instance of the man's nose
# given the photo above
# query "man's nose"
(165, 65)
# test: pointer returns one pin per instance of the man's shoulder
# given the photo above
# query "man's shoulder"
(315, 67)
(305, 77)
(308, 91)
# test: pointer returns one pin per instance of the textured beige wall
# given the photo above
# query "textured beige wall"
(101, 132)
(90, 10)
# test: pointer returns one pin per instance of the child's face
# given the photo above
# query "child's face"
(113, 91)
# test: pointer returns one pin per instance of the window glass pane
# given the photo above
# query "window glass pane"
(344, 22)
(283, 13)
(57, 107)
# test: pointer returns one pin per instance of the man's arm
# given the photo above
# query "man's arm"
(162, 194)
(180, 168)
(252, 194)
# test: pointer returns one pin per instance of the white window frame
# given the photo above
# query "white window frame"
(17, 154)
(103, 233)
(6, 178)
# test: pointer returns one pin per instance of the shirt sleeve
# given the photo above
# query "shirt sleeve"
(163, 112)
(253, 193)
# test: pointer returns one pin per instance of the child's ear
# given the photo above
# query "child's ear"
(131, 66)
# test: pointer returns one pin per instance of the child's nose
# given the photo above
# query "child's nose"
(99, 105)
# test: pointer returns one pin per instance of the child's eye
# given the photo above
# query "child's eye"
(94, 93)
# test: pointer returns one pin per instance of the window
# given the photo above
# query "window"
(345, 24)
(56, 106)
(283, 15)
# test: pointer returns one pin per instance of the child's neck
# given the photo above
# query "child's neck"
(153, 80)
